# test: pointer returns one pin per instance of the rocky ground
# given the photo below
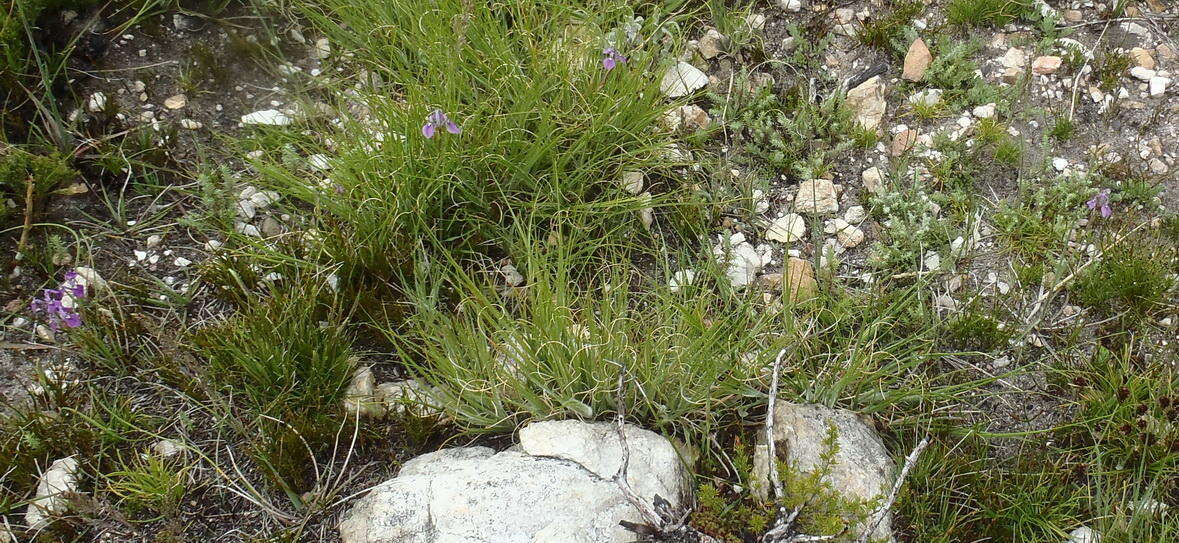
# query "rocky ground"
(1011, 179)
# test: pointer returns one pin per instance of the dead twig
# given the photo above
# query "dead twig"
(30, 185)
(880, 513)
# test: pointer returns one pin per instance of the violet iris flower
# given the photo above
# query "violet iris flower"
(1101, 200)
(611, 58)
(438, 118)
(60, 306)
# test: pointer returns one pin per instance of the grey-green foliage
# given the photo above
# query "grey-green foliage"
(789, 131)
(911, 226)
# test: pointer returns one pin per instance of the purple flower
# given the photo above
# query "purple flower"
(60, 305)
(1101, 200)
(611, 58)
(438, 118)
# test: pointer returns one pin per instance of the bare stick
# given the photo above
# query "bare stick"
(880, 513)
(29, 205)
(620, 476)
(775, 479)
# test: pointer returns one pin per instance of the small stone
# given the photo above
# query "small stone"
(1166, 52)
(902, 142)
(927, 97)
(816, 196)
(712, 43)
(96, 103)
(1014, 58)
(917, 60)
(693, 117)
(511, 276)
(855, 215)
(986, 111)
(1158, 85)
(1134, 28)
(319, 162)
(54, 491)
(787, 229)
(176, 101)
(1158, 166)
(323, 48)
(1046, 65)
(1059, 164)
(837, 444)
(632, 182)
(799, 276)
(247, 229)
(1143, 58)
(741, 260)
(182, 262)
(873, 180)
(932, 261)
(190, 124)
(1072, 15)
(407, 397)
(848, 236)
(681, 279)
(945, 302)
(168, 448)
(1142, 74)
(186, 23)
(271, 117)
(867, 101)
(846, 22)
(271, 227)
(154, 240)
(1084, 534)
(647, 213)
(790, 5)
(360, 396)
(682, 79)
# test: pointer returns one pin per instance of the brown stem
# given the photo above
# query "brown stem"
(29, 205)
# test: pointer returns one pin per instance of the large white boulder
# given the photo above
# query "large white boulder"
(554, 488)
(861, 469)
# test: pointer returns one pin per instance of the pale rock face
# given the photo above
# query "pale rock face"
(96, 103)
(408, 397)
(681, 279)
(682, 79)
(816, 196)
(596, 447)
(359, 397)
(927, 97)
(271, 117)
(848, 235)
(1084, 534)
(743, 261)
(861, 469)
(917, 59)
(867, 101)
(873, 180)
(540, 492)
(52, 499)
(1014, 58)
(790, 5)
(787, 229)
(1046, 65)
(632, 182)
(1143, 58)
(712, 43)
(176, 101)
